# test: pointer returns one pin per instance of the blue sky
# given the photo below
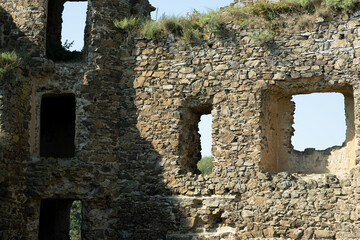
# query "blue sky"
(319, 121)
(181, 8)
(319, 118)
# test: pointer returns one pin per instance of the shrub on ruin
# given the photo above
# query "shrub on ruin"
(267, 16)
(172, 25)
(152, 30)
(341, 5)
(128, 24)
(205, 165)
(8, 61)
(211, 21)
(270, 10)
(191, 35)
(263, 37)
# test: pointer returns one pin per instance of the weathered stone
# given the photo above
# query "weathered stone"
(323, 234)
(138, 104)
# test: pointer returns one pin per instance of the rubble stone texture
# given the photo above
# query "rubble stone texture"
(136, 142)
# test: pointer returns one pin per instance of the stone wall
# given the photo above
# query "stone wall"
(248, 89)
(138, 103)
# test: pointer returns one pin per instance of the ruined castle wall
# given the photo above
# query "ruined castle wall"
(249, 88)
(92, 174)
(136, 140)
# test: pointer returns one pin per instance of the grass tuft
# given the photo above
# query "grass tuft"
(341, 5)
(263, 37)
(211, 21)
(152, 30)
(8, 61)
(128, 24)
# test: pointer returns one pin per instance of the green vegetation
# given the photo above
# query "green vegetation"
(8, 61)
(190, 28)
(128, 24)
(263, 37)
(341, 5)
(205, 165)
(75, 221)
(270, 18)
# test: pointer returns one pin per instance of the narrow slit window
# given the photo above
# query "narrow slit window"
(57, 126)
(319, 121)
(205, 165)
(60, 219)
(66, 30)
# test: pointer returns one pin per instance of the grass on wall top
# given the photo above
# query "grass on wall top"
(266, 16)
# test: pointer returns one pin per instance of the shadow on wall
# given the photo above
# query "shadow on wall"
(135, 203)
(13, 38)
(14, 133)
(148, 209)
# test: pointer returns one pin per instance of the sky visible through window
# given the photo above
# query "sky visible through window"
(205, 134)
(73, 26)
(73, 30)
(319, 121)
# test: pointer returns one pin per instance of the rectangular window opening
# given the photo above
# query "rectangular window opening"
(57, 126)
(205, 164)
(308, 132)
(60, 219)
(66, 30)
(196, 150)
(319, 121)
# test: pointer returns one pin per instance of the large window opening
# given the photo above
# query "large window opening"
(60, 219)
(319, 121)
(205, 165)
(57, 126)
(190, 142)
(66, 31)
(308, 131)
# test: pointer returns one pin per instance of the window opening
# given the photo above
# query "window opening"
(205, 165)
(59, 219)
(190, 146)
(74, 12)
(57, 126)
(65, 37)
(319, 121)
(330, 151)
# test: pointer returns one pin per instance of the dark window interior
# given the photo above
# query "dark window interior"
(55, 219)
(57, 126)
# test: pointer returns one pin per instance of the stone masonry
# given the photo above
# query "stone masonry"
(137, 106)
